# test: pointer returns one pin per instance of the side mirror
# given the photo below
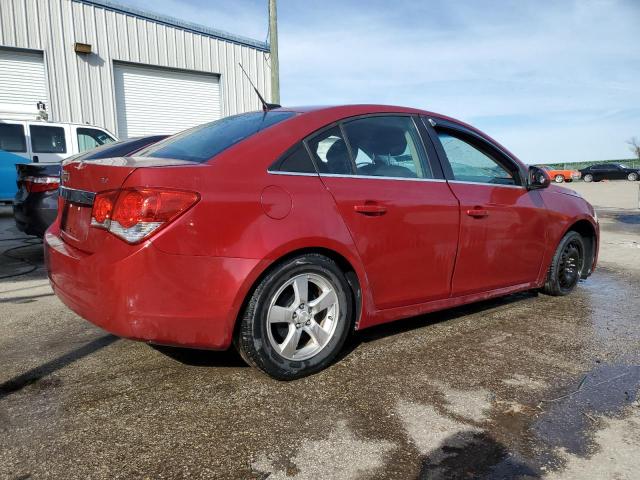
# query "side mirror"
(538, 178)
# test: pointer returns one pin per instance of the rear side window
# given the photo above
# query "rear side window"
(89, 138)
(12, 138)
(46, 139)
(387, 146)
(201, 143)
(296, 161)
(330, 152)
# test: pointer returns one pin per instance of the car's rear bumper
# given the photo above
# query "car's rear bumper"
(146, 294)
(36, 212)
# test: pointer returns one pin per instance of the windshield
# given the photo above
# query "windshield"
(201, 143)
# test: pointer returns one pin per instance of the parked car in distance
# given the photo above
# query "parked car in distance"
(562, 175)
(609, 171)
(283, 231)
(35, 140)
(36, 203)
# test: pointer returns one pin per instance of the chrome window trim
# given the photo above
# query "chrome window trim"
(296, 174)
(377, 177)
(77, 196)
(487, 184)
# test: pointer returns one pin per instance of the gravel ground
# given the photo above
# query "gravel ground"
(526, 386)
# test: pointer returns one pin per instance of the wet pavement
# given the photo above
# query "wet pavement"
(526, 386)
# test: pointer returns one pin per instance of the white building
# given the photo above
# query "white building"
(129, 71)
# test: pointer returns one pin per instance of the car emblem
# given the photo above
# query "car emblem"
(65, 176)
(104, 179)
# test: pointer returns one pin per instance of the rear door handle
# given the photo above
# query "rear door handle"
(370, 209)
(478, 212)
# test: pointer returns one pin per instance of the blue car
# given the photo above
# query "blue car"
(8, 185)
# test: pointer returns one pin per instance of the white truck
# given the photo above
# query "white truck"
(27, 136)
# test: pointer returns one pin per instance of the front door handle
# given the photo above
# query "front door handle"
(370, 209)
(478, 212)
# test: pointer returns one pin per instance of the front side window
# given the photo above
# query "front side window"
(46, 139)
(201, 143)
(470, 164)
(387, 146)
(90, 138)
(330, 152)
(12, 138)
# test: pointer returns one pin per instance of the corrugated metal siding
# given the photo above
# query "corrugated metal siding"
(81, 87)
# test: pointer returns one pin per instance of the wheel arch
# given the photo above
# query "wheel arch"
(355, 278)
(588, 232)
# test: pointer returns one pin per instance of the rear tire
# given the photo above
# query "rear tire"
(558, 179)
(297, 318)
(566, 266)
(588, 178)
(632, 177)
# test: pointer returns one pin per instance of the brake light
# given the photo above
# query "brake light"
(134, 214)
(41, 184)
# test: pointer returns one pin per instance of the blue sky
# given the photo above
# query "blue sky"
(552, 81)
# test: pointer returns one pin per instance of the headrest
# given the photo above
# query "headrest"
(337, 151)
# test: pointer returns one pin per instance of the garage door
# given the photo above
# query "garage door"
(22, 78)
(152, 100)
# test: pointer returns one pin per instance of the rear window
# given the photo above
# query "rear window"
(201, 143)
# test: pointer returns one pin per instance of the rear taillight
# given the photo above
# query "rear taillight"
(133, 214)
(41, 184)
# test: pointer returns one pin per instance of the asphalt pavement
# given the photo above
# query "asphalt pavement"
(526, 386)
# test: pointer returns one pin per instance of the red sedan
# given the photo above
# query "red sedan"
(284, 231)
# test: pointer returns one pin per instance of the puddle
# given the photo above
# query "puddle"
(480, 456)
(604, 391)
(609, 307)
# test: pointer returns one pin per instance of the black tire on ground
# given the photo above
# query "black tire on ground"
(558, 179)
(566, 266)
(632, 177)
(588, 178)
(255, 343)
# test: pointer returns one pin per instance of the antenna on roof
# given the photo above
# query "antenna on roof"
(265, 106)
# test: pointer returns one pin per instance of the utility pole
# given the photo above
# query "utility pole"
(273, 43)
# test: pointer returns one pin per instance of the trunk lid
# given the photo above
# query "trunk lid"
(81, 181)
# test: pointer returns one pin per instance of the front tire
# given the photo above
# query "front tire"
(588, 178)
(297, 318)
(559, 179)
(566, 266)
(632, 177)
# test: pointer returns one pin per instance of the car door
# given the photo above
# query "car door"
(618, 173)
(398, 208)
(502, 224)
(49, 142)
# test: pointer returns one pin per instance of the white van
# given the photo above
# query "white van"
(26, 134)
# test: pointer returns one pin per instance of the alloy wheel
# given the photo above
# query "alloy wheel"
(302, 316)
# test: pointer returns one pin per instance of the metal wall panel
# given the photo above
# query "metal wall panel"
(81, 87)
